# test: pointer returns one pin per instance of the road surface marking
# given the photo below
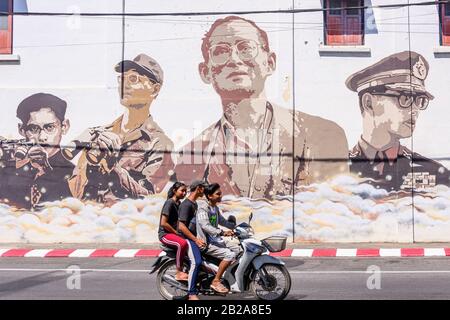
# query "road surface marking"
(390, 252)
(291, 272)
(37, 253)
(434, 252)
(302, 253)
(346, 253)
(81, 253)
(126, 253)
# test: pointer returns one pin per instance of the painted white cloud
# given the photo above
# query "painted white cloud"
(339, 211)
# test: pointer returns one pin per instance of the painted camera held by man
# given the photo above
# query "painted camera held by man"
(14, 149)
(88, 142)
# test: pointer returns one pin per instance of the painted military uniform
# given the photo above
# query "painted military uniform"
(25, 186)
(292, 150)
(143, 164)
(396, 168)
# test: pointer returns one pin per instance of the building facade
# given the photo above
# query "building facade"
(325, 118)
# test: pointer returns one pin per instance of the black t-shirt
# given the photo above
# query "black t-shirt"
(186, 214)
(170, 210)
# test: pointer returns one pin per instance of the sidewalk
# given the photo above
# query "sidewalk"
(318, 250)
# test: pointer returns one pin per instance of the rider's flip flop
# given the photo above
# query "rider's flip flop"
(187, 279)
(219, 288)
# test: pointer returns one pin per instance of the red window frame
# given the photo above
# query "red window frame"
(445, 24)
(343, 27)
(6, 35)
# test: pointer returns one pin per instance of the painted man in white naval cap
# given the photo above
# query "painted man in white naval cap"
(392, 94)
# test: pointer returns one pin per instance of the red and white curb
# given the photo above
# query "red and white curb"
(303, 253)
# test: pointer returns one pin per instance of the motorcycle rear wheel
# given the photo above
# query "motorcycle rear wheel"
(277, 285)
(166, 289)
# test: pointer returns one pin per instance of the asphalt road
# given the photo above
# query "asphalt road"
(329, 279)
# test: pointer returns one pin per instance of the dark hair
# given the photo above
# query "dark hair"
(177, 185)
(205, 42)
(38, 101)
(197, 184)
(210, 189)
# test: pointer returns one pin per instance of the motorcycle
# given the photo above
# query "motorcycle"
(254, 270)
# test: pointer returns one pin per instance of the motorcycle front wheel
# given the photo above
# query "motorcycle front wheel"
(169, 288)
(271, 282)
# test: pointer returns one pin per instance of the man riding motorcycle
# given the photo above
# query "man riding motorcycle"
(255, 271)
(208, 219)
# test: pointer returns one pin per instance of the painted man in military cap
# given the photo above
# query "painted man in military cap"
(130, 157)
(33, 170)
(251, 150)
(392, 94)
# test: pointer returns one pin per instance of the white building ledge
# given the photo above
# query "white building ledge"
(442, 50)
(349, 49)
(9, 58)
(344, 51)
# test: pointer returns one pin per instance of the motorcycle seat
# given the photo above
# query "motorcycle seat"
(167, 248)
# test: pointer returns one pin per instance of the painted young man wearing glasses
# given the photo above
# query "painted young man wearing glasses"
(392, 94)
(36, 171)
(131, 157)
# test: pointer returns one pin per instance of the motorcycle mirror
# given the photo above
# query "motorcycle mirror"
(250, 218)
(232, 219)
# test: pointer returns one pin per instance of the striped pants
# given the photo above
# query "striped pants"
(175, 241)
(195, 258)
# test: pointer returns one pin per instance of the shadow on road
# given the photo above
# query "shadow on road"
(15, 286)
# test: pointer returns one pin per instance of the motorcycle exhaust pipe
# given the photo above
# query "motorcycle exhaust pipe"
(170, 280)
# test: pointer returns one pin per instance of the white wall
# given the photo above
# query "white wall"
(74, 58)
(78, 63)
(316, 75)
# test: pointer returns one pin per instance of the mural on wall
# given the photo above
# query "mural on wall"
(132, 156)
(256, 149)
(109, 183)
(33, 169)
(391, 96)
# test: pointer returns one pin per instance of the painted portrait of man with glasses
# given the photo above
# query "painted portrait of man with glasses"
(130, 157)
(36, 171)
(257, 149)
(392, 95)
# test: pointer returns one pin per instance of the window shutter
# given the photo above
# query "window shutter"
(6, 27)
(335, 23)
(354, 23)
(445, 12)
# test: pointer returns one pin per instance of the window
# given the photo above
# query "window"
(445, 24)
(6, 6)
(344, 26)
